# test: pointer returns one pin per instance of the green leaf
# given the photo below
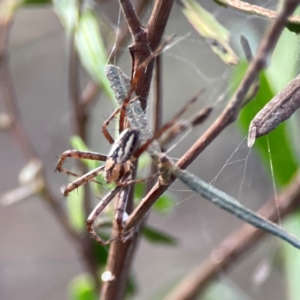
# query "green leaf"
(144, 161)
(216, 35)
(82, 288)
(131, 288)
(292, 258)
(36, 2)
(139, 192)
(158, 237)
(101, 252)
(283, 160)
(165, 204)
(78, 143)
(283, 58)
(293, 27)
(225, 290)
(75, 210)
(88, 39)
(91, 49)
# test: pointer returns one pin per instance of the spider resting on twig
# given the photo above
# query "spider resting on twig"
(118, 167)
(131, 143)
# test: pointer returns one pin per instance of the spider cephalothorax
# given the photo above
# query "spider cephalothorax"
(120, 157)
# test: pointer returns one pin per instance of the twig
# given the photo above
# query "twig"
(120, 84)
(140, 51)
(6, 20)
(234, 246)
(79, 116)
(277, 110)
(119, 263)
(146, 42)
(227, 116)
(258, 10)
(227, 202)
(22, 138)
(132, 19)
(79, 121)
(158, 96)
(206, 190)
(92, 89)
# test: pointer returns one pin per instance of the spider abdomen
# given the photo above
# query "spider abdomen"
(124, 146)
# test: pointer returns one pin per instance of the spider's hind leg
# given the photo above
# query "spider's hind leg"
(96, 212)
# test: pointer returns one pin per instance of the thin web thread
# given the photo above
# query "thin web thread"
(273, 182)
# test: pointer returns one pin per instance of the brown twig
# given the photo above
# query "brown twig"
(79, 122)
(157, 111)
(145, 43)
(132, 19)
(158, 96)
(5, 25)
(22, 138)
(229, 114)
(79, 116)
(92, 89)
(121, 254)
(236, 245)
(258, 10)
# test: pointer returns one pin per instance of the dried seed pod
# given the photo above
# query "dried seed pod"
(276, 111)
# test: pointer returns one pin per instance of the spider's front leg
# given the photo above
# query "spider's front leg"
(78, 155)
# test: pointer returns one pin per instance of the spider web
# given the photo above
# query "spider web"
(36, 258)
(227, 163)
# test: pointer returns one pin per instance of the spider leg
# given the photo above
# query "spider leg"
(78, 155)
(82, 180)
(106, 123)
(134, 181)
(120, 208)
(96, 212)
(181, 126)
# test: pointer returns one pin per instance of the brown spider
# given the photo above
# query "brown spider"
(118, 167)
(119, 163)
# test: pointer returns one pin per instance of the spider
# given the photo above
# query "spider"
(119, 163)
(118, 167)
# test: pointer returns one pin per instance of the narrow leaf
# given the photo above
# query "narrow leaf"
(78, 143)
(7, 10)
(36, 2)
(82, 288)
(158, 237)
(91, 49)
(75, 210)
(165, 204)
(230, 204)
(224, 289)
(88, 39)
(283, 160)
(292, 258)
(210, 29)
